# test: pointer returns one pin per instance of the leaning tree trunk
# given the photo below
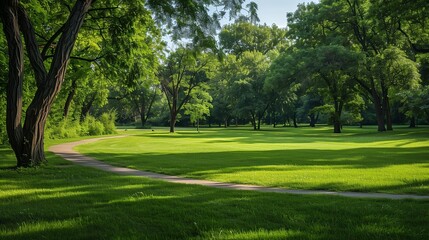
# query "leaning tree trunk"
(28, 141)
(9, 18)
(253, 119)
(70, 97)
(86, 107)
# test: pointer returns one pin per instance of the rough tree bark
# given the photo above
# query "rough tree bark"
(27, 141)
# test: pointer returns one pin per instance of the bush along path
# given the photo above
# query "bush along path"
(66, 151)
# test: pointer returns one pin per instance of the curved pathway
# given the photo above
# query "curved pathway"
(66, 151)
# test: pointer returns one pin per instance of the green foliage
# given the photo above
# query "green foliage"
(92, 127)
(69, 128)
(108, 121)
(65, 128)
(199, 106)
(243, 36)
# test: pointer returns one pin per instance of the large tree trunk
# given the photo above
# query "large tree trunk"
(337, 116)
(379, 114)
(9, 18)
(28, 141)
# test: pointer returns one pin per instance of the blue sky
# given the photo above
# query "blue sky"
(274, 11)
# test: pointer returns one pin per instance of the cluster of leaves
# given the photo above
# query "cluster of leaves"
(91, 126)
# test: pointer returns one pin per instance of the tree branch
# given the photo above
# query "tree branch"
(50, 41)
(34, 55)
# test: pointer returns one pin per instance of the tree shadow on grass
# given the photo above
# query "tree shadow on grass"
(240, 165)
(82, 203)
(294, 136)
(358, 158)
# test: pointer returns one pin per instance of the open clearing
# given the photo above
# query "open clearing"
(304, 158)
(67, 201)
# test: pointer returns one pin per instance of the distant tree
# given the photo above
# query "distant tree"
(415, 104)
(198, 107)
(244, 36)
(335, 68)
(285, 76)
(247, 87)
(27, 140)
(182, 75)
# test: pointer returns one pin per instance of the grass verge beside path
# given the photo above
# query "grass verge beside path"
(66, 201)
(304, 158)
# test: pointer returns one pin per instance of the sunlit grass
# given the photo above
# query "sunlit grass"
(73, 202)
(305, 158)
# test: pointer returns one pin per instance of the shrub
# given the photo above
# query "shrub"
(93, 127)
(68, 128)
(108, 121)
(65, 128)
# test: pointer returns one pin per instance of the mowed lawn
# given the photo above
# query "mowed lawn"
(304, 158)
(67, 201)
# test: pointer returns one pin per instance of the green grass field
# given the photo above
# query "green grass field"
(66, 201)
(304, 158)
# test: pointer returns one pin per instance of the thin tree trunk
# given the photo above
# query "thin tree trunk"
(149, 109)
(387, 112)
(70, 97)
(312, 120)
(413, 122)
(173, 116)
(295, 124)
(86, 107)
(386, 106)
(142, 118)
(253, 119)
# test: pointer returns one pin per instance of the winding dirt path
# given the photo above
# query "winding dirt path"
(66, 151)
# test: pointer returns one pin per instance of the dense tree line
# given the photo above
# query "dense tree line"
(339, 62)
(119, 39)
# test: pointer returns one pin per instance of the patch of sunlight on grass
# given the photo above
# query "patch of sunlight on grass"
(38, 226)
(252, 235)
(42, 193)
(139, 196)
(361, 160)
